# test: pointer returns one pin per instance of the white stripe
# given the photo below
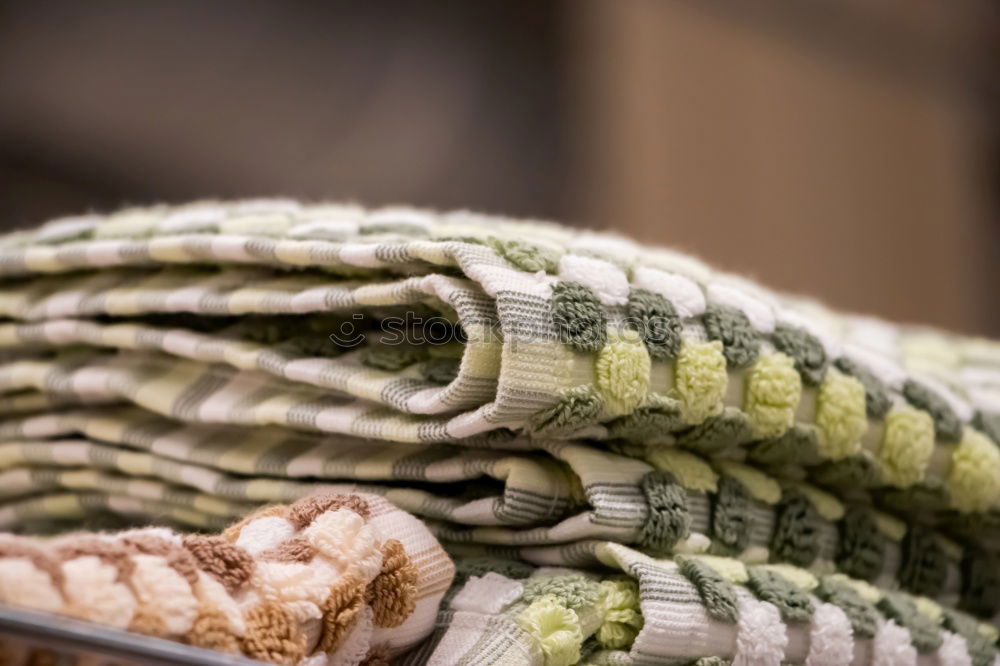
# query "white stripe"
(831, 639)
(684, 294)
(231, 248)
(608, 282)
(761, 639)
(217, 407)
(759, 313)
(104, 252)
(892, 646)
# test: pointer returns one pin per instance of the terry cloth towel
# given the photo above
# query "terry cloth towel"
(631, 458)
(701, 610)
(330, 579)
(671, 501)
(412, 326)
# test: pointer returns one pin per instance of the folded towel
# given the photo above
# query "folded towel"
(631, 458)
(317, 582)
(674, 501)
(330, 579)
(505, 328)
(692, 610)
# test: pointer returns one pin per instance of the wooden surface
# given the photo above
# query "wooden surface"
(817, 171)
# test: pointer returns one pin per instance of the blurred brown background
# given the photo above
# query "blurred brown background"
(841, 148)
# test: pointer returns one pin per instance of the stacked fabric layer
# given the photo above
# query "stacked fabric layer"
(333, 578)
(632, 458)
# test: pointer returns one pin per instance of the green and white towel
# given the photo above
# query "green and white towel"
(508, 328)
(699, 610)
(633, 459)
(674, 501)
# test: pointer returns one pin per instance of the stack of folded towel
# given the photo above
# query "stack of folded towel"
(630, 458)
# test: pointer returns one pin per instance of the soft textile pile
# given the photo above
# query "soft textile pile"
(331, 579)
(631, 458)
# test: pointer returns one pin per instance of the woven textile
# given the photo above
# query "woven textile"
(562, 333)
(320, 581)
(632, 458)
(203, 477)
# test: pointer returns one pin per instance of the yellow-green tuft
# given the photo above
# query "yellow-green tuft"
(619, 606)
(556, 628)
(700, 380)
(622, 369)
(691, 471)
(907, 445)
(973, 478)
(840, 416)
(773, 392)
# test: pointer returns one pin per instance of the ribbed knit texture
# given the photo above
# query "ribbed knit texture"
(630, 457)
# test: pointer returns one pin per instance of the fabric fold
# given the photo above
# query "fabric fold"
(301, 420)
